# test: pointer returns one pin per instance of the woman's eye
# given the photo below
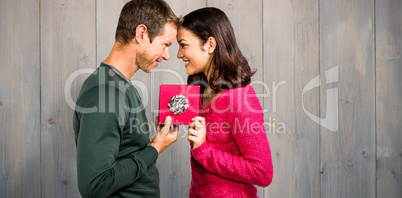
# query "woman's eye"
(183, 45)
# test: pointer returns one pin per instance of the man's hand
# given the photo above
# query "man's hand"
(165, 136)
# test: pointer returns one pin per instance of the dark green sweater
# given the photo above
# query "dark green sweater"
(111, 134)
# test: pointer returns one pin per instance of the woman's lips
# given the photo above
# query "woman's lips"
(186, 63)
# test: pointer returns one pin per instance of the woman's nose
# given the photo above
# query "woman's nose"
(179, 54)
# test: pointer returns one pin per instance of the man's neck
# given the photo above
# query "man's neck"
(123, 59)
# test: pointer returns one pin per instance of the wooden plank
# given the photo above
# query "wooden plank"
(291, 60)
(246, 19)
(67, 44)
(19, 99)
(348, 163)
(107, 16)
(174, 163)
(388, 97)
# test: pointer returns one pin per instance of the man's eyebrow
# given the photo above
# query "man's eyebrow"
(167, 41)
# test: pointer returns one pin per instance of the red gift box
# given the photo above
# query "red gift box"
(183, 96)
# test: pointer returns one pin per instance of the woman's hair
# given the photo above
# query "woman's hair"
(229, 68)
(152, 13)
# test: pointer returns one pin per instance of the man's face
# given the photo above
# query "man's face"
(158, 50)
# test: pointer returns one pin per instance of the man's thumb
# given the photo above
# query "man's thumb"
(168, 121)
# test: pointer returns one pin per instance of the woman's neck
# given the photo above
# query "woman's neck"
(210, 95)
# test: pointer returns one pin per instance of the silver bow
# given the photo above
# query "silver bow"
(178, 104)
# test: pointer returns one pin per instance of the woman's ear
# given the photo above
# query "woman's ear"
(211, 45)
(141, 32)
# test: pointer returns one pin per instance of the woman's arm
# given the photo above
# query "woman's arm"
(245, 117)
(253, 166)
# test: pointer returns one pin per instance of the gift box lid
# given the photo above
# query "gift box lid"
(181, 102)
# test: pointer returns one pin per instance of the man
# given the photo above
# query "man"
(114, 155)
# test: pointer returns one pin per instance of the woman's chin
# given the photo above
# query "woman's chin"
(189, 72)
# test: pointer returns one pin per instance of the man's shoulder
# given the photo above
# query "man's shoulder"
(104, 78)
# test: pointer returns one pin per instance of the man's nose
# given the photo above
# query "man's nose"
(165, 54)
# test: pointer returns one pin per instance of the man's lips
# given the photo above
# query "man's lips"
(157, 62)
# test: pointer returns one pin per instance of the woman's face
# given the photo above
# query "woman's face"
(197, 57)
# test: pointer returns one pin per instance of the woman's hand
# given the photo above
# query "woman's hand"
(197, 131)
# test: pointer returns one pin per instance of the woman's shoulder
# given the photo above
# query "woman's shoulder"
(245, 91)
(241, 98)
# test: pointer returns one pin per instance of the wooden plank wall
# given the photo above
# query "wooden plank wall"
(388, 96)
(347, 41)
(346, 51)
(67, 45)
(19, 99)
(291, 40)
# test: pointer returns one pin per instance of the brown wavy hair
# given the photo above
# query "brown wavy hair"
(229, 68)
(152, 13)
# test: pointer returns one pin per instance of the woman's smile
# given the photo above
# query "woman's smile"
(195, 55)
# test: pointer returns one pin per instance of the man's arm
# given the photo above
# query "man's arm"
(98, 141)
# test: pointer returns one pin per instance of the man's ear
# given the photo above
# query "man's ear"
(141, 33)
(211, 44)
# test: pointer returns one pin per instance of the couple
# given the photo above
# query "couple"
(229, 148)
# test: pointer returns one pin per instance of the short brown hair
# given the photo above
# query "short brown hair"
(152, 13)
(229, 68)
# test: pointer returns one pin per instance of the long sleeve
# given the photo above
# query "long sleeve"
(100, 171)
(254, 164)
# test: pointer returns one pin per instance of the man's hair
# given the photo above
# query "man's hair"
(229, 67)
(154, 14)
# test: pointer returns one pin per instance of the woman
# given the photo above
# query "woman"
(230, 151)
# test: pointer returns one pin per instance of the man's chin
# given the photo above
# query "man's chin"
(149, 70)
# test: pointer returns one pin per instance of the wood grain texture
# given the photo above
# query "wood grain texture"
(289, 42)
(246, 19)
(19, 99)
(348, 155)
(290, 61)
(67, 44)
(107, 17)
(388, 97)
(174, 163)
